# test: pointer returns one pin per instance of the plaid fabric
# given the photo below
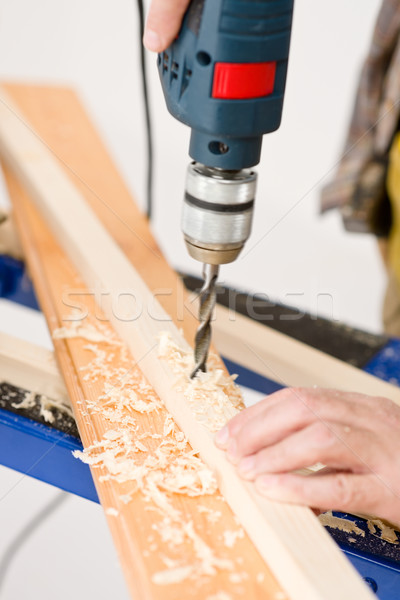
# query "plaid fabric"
(359, 184)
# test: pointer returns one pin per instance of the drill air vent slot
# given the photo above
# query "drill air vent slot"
(185, 79)
(174, 70)
(165, 62)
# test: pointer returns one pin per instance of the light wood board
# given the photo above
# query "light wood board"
(288, 361)
(9, 242)
(290, 539)
(30, 367)
(59, 118)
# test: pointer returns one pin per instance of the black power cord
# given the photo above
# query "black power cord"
(31, 526)
(149, 134)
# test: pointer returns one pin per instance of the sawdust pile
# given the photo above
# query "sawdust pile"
(383, 530)
(47, 405)
(376, 527)
(158, 464)
(213, 396)
(327, 519)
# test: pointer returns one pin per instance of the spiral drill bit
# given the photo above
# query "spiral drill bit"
(208, 296)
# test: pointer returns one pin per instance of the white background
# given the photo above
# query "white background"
(293, 256)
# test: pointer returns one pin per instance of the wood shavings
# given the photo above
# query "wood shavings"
(237, 577)
(170, 532)
(219, 596)
(387, 533)
(169, 562)
(29, 401)
(230, 537)
(207, 562)
(87, 331)
(371, 527)
(212, 516)
(169, 576)
(328, 520)
(46, 405)
(46, 414)
(126, 498)
(213, 396)
(153, 464)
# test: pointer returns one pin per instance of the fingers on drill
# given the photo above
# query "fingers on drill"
(163, 23)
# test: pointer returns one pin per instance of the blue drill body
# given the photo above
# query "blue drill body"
(224, 76)
(227, 132)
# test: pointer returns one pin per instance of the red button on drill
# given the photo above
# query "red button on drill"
(238, 81)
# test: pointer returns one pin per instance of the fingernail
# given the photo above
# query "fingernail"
(152, 40)
(221, 438)
(246, 466)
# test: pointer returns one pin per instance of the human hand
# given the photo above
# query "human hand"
(356, 436)
(163, 23)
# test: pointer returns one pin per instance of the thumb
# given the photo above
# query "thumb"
(163, 23)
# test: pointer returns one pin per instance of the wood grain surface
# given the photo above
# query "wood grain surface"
(59, 119)
(301, 554)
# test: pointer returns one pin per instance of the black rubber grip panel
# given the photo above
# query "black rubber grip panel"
(216, 207)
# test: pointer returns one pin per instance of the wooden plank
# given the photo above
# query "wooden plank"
(287, 361)
(9, 242)
(30, 367)
(302, 555)
(74, 142)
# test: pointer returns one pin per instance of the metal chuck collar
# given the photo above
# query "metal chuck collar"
(217, 212)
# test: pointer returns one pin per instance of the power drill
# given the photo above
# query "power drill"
(224, 76)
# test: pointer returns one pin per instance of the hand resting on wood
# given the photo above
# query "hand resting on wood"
(356, 436)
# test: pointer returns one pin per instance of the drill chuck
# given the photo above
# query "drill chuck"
(217, 212)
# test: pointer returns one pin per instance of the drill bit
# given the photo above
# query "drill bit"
(208, 296)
